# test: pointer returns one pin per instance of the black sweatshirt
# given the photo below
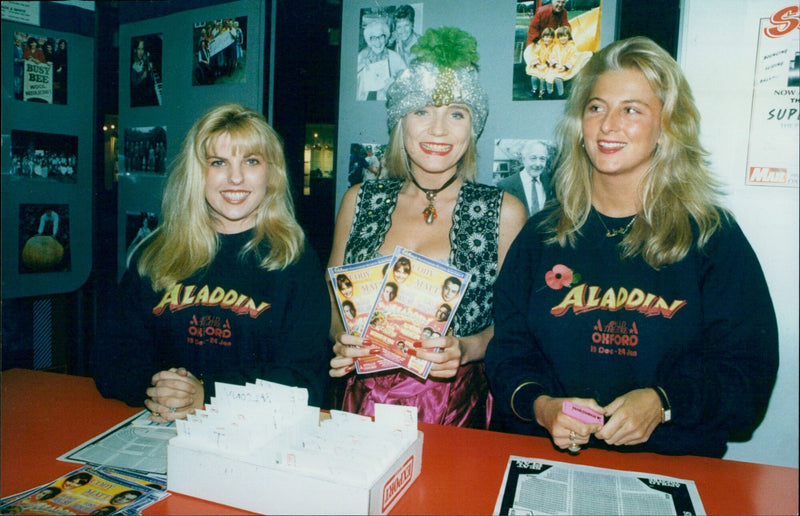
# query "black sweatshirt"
(231, 322)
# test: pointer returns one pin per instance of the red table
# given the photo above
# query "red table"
(45, 415)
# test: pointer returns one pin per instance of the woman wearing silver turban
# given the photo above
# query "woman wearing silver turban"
(431, 204)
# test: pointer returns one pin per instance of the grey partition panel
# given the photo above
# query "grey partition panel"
(46, 210)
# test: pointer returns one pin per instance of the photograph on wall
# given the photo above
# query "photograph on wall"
(220, 54)
(138, 226)
(44, 238)
(385, 38)
(145, 150)
(524, 168)
(44, 156)
(40, 68)
(367, 162)
(552, 42)
(772, 157)
(146, 66)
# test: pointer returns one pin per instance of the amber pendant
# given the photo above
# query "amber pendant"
(429, 213)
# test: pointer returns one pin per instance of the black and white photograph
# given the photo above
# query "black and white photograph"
(386, 36)
(553, 40)
(138, 226)
(40, 68)
(44, 238)
(220, 54)
(145, 150)
(524, 168)
(145, 70)
(367, 162)
(405, 23)
(44, 156)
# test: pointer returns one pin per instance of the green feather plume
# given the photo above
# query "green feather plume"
(447, 47)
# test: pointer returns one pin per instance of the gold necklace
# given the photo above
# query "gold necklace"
(429, 213)
(611, 233)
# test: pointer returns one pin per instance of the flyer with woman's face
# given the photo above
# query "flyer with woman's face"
(417, 300)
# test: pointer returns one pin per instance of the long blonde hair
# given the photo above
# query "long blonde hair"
(676, 190)
(186, 240)
(399, 164)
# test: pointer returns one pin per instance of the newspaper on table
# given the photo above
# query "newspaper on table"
(418, 298)
(536, 486)
(89, 490)
(137, 444)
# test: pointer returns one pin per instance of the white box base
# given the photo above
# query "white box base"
(235, 482)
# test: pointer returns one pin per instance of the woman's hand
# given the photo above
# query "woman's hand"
(347, 348)
(174, 394)
(632, 418)
(565, 430)
(444, 352)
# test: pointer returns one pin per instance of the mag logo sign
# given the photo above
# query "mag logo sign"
(768, 176)
(395, 485)
(772, 157)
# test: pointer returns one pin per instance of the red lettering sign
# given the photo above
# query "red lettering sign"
(768, 175)
(783, 22)
(395, 485)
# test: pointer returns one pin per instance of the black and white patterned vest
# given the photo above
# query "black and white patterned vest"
(473, 241)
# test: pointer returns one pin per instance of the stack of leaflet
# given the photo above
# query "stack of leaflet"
(260, 447)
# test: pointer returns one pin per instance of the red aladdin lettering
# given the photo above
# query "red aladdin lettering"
(180, 297)
(583, 298)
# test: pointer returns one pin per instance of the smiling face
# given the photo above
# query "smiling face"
(375, 35)
(403, 28)
(558, 5)
(389, 292)
(344, 285)
(534, 158)
(401, 270)
(124, 498)
(621, 124)
(75, 481)
(236, 185)
(450, 289)
(436, 138)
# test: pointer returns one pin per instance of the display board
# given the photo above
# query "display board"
(47, 151)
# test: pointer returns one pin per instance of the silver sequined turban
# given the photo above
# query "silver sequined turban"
(424, 84)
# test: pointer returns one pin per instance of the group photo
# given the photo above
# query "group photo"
(268, 257)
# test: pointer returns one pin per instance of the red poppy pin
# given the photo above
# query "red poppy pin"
(561, 276)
